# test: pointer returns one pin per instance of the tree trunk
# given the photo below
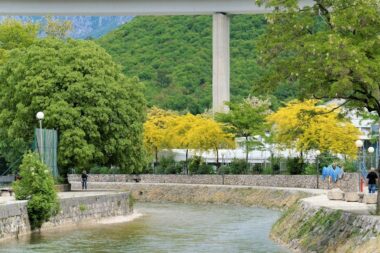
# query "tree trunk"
(217, 160)
(186, 166)
(246, 149)
(156, 162)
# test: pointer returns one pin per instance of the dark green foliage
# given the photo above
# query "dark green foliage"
(350, 166)
(198, 166)
(168, 165)
(97, 111)
(310, 169)
(326, 159)
(36, 185)
(238, 166)
(276, 168)
(257, 168)
(295, 166)
(104, 170)
(173, 57)
(329, 49)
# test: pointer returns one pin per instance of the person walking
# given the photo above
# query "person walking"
(372, 178)
(84, 180)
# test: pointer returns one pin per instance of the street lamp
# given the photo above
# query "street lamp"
(40, 116)
(317, 165)
(370, 151)
(359, 145)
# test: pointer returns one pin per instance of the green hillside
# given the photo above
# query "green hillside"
(172, 55)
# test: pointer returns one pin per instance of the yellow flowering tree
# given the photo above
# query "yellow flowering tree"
(306, 126)
(207, 134)
(156, 130)
(179, 133)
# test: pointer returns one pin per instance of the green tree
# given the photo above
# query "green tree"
(331, 49)
(15, 34)
(247, 118)
(57, 28)
(98, 112)
(36, 186)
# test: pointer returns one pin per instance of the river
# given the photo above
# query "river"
(163, 228)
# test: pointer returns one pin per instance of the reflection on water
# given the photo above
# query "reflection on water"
(164, 228)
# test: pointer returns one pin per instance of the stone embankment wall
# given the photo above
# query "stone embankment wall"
(305, 228)
(203, 194)
(349, 183)
(14, 219)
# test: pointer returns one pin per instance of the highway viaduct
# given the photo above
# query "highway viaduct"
(220, 9)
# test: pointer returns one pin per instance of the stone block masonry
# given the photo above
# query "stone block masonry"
(349, 183)
(311, 228)
(75, 208)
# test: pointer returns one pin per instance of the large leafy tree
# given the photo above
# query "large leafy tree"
(247, 119)
(305, 126)
(331, 49)
(97, 111)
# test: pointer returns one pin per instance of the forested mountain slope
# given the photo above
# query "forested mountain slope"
(172, 55)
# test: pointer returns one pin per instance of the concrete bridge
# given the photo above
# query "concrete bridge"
(220, 9)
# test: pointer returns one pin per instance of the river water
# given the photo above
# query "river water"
(163, 228)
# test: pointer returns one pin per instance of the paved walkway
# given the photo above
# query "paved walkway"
(354, 207)
(62, 195)
(319, 200)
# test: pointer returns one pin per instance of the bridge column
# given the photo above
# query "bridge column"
(221, 62)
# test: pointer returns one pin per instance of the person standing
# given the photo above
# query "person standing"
(372, 178)
(84, 180)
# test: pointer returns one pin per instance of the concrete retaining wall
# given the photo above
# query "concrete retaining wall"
(349, 182)
(307, 228)
(14, 219)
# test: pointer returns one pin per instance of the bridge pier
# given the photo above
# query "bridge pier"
(220, 62)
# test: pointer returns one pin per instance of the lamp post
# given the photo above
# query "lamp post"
(359, 145)
(40, 116)
(370, 151)
(317, 165)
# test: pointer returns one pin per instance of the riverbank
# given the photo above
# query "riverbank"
(310, 227)
(75, 208)
(310, 222)
(268, 197)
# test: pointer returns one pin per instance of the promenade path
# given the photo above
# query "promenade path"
(318, 200)
(62, 195)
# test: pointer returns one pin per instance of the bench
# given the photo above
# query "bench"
(6, 190)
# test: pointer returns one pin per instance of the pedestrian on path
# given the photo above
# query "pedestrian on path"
(372, 178)
(84, 180)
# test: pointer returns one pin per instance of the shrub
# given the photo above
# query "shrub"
(311, 169)
(37, 186)
(295, 166)
(194, 163)
(326, 159)
(350, 166)
(275, 164)
(205, 168)
(168, 165)
(198, 166)
(238, 166)
(257, 168)
(99, 170)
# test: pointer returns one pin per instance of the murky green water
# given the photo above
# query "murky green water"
(164, 228)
